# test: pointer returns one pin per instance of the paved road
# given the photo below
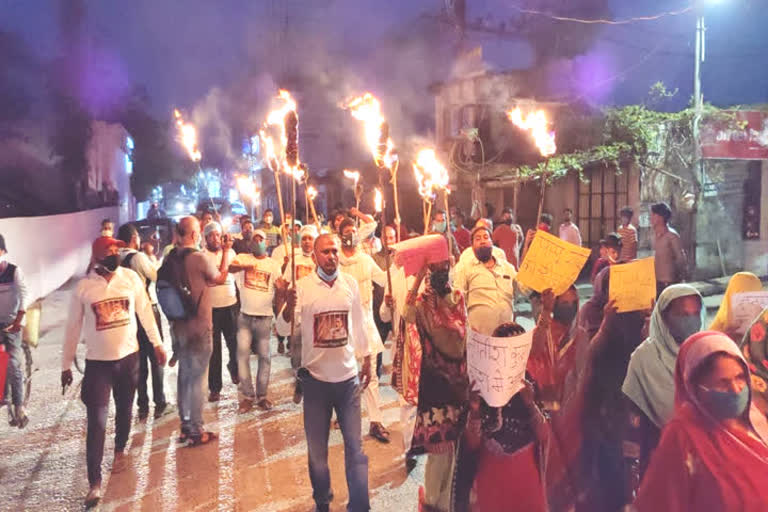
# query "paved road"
(259, 462)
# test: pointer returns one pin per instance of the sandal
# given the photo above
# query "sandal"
(204, 438)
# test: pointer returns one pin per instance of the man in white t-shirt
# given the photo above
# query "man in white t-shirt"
(363, 268)
(257, 277)
(105, 307)
(224, 305)
(305, 266)
(327, 308)
(568, 230)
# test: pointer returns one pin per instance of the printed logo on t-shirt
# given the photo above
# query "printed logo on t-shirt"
(331, 329)
(303, 271)
(112, 313)
(256, 279)
(271, 239)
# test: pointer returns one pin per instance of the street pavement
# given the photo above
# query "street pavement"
(259, 462)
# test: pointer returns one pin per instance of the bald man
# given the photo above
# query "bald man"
(193, 337)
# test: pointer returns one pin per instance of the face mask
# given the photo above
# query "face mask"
(259, 248)
(327, 277)
(683, 326)
(439, 281)
(483, 253)
(350, 240)
(439, 227)
(110, 263)
(565, 312)
(453, 225)
(107, 232)
(724, 405)
(296, 239)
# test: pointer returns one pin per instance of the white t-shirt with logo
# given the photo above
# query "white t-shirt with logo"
(222, 295)
(257, 286)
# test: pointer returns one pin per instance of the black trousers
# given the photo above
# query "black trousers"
(224, 322)
(147, 362)
(102, 378)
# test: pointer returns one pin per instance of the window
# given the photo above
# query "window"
(600, 200)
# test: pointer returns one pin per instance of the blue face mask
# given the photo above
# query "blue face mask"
(683, 326)
(327, 277)
(439, 227)
(296, 239)
(724, 405)
(259, 248)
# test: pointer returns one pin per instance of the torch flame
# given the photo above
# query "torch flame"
(367, 108)
(352, 175)
(536, 123)
(311, 192)
(187, 136)
(378, 200)
(431, 175)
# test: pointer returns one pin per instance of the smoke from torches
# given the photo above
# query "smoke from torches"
(188, 137)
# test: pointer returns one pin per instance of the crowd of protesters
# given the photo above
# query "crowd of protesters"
(644, 410)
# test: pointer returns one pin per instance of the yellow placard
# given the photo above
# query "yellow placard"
(551, 263)
(633, 285)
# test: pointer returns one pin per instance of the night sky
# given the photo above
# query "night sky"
(181, 49)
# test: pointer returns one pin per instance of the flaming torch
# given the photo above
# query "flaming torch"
(311, 195)
(355, 177)
(378, 203)
(432, 176)
(188, 139)
(536, 123)
(367, 108)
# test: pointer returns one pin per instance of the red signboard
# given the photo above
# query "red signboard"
(730, 142)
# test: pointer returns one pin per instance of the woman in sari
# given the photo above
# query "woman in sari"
(740, 283)
(713, 454)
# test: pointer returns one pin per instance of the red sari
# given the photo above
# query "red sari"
(699, 464)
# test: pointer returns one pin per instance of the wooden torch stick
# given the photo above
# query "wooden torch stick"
(427, 217)
(448, 222)
(394, 169)
(384, 227)
(541, 193)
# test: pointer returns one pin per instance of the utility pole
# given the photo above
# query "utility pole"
(698, 105)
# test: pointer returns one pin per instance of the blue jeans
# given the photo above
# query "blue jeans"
(320, 399)
(14, 382)
(256, 331)
(194, 352)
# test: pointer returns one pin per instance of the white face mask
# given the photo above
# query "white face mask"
(107, 232)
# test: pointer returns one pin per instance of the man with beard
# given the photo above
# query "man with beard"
(243, 244)
(488, 284)
(354, 262)
(440, 318)
(329, 374)
(105, 305)
(224, 304)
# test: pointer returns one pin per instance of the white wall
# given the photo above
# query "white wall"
(52, 249)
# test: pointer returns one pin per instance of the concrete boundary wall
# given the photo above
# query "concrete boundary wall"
(52, 249)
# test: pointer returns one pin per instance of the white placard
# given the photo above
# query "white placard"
(745, 307)
(497, 365)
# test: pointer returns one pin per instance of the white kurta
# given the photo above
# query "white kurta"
(365, 271)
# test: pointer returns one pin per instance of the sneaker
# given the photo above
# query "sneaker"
(298, 393)
(244, 406)
(93, 497)
(264, 404)
(120, 463)
(280, 347)
(214, 396)
(379, 432)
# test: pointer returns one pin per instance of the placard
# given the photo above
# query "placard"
(497, 365)
(413, 254)
(633, 285)
(745, 307)
(551, 263)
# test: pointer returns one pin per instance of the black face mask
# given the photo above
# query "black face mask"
(565, 312)
(438, 281)
(110, 263)
(483, 253)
